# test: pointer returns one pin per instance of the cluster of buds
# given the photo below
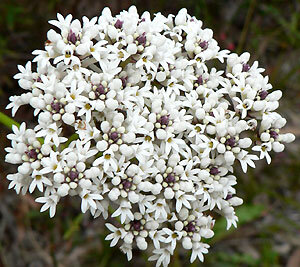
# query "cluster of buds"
(134, 119)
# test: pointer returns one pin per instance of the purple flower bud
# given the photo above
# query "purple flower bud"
(56, 106)
(114, 136)
(273, 134)
(229, 196)
(136, 225)
(100, 89)
(246, 67)
(32, 154)
(203, 45)
(119, 24)
(164, 120)
(214, 171)
(190, 227)
(263, 94)
(124, 81)
(170, 178)
(230, 142)
(142, 39)
(200, 80)
(73, 175)
(72, 37)
(126, 184)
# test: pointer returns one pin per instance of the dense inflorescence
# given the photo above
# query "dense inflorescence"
(136, 118)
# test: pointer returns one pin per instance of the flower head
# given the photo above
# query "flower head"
(135, 119)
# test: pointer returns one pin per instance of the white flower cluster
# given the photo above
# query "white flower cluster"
(135, 119)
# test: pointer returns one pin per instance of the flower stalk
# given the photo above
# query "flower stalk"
(7, 121)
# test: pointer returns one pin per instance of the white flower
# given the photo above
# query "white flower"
(198, 250)
(162, 256)
(108, 161)
(18, 133)
(85, 151)
(124, 211)
(50, 203)
(183, 199)
(159, 209)
(157, 237)
(43, 57)
(68, 56)
(206, 146)
(116, 234)
(38, 181)
(145, 201)
(172, 237)
(86, 109)
(264, 148)
(246, 159)
(177, 144)
(74, 94)
(62, 22)
(244, 106)
(127, 249)
(88, 200)
(18, 182)
(52, 164)
(51, 134)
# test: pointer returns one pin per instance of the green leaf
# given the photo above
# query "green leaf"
(73, 137)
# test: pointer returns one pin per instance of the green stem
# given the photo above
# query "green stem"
(246, 26)
(7, 121)
(176, 260)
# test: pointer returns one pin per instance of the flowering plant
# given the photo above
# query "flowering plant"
(136, 118)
